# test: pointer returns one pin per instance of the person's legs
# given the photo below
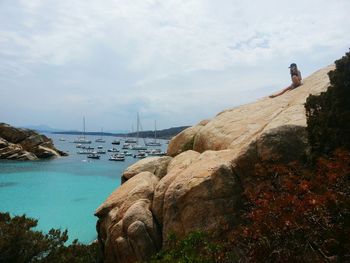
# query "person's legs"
(283, 91)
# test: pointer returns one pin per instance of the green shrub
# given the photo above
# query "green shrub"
(328, 114)
(195, 248)
(19, 243)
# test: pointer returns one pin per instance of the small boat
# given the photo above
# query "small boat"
(101, 140)
(62, 139)
(82, 141)
(113, 150)
(138, 147)
(85, 152)
(154, 142)
(117, 157)
(101, 151)
(156, 152)
(126, 146)
(87, 147)
(116, 142)
(126, 153)
(100, 147)
(93, 156)
(140, 155)
(131, 140)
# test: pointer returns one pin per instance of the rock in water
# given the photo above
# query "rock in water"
(24, 144)
(199, 188)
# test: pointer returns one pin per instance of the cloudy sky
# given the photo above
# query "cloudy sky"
(173, 61)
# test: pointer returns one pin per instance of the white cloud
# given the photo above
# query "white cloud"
(169, 50)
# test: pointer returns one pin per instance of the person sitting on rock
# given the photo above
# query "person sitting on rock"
(296, 80)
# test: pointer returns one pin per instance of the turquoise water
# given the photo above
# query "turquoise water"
(62, 193)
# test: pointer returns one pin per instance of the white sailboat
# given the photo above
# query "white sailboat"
(82, 139)
(131, 140)
(154, 142)
(100, 139)
(137, 146)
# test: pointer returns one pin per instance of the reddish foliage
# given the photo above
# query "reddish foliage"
(297, 214)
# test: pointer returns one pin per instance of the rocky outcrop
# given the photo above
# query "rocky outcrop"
(155, 165)
(127, 229)
(237, 127)
(200, 187)
(24, 144)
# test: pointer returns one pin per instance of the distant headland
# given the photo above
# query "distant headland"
(25, 144)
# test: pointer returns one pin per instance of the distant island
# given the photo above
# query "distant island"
(161, 134)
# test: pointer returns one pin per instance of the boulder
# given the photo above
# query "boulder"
(126, 228)
(12, 134)
(175, 167)
(203, 197)
(155, 165)
(184, 140)
(24, 144)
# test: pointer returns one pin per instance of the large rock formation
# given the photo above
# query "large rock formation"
(200, 187)
(24, 144)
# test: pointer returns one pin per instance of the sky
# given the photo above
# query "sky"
(176, 62)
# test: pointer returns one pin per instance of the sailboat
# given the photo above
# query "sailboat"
(100, 139)
(131, 140)
(82, 139)
(137, 146)
(154, 142)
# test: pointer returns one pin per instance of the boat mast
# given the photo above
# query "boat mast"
(84, 128)
(138, 124)
(155, 131)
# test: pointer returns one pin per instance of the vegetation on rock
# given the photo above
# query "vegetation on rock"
(19, 243)
(328, 115)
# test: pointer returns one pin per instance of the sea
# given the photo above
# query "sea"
(63, 193)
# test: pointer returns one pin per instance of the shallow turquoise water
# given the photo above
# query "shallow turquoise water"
(61, 193)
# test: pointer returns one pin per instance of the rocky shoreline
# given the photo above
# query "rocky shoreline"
(25, 144)
(198, 186)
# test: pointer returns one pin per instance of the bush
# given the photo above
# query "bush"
(296, 213)
(328, 114)
(195, 248)
(19, 243)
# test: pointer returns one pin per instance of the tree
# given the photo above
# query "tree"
(328, 114)
(19, 243)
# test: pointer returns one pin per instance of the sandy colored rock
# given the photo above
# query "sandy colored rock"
(156, 165)
(140, 241)
(204, 197)
(175, 167)
(138, 187)
(185, 139)
(122, 238)
(237, 127)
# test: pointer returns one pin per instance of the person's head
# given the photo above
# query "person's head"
(293, 66)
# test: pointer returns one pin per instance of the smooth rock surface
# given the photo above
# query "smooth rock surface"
(156, 165)
(175, 167)
(126, 222)
(235, 128)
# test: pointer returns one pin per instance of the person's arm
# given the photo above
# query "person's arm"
(299, 75)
